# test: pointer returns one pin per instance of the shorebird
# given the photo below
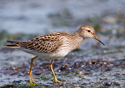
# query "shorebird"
(54, 45)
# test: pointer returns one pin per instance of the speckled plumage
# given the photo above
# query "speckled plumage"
(45, 43)
(48, 46)
(54, 45)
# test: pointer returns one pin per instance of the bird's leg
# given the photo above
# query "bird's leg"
(51, 68)
(30, 72)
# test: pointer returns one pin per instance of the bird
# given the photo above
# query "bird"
(53, 45)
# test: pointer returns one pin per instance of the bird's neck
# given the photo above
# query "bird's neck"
(77, 34)
(76, 40)
(77, 37)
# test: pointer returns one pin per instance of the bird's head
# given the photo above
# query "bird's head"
(87, 31)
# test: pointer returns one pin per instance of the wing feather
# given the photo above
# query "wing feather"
(45, 43)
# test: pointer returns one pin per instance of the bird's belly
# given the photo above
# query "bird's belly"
(51, 55)
(54, 55)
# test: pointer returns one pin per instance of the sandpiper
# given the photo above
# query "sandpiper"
(54, 45)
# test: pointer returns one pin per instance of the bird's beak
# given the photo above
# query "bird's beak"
(95, 37)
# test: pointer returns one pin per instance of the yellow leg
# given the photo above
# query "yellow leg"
(30, 72)
(51, 68)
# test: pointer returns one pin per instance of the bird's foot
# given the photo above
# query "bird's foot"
(31, 77)
(56, 80)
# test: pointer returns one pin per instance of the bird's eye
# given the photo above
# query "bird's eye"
(88, 30)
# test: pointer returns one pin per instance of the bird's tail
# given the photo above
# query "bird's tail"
(17, 44)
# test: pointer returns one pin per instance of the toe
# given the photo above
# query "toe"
(56, 80)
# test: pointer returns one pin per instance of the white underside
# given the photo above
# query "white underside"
(59, 54)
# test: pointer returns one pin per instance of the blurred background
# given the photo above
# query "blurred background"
(101, 65)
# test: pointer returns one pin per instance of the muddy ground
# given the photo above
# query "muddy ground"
(92, 65)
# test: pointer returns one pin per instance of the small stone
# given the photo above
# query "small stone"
(100, 85)
(16, 68)
(101, 81)
(94, 74)
(82, 66)
(116, 83)
(105, 51)
(81, 73)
